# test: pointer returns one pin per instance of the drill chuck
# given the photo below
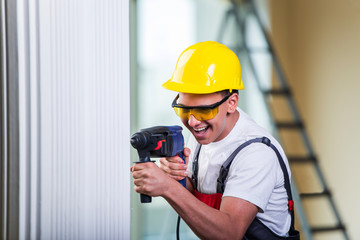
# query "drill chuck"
(140, 140)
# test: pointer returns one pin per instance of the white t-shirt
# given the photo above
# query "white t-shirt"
(255, 174)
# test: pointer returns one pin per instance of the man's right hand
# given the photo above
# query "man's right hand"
(175, 166)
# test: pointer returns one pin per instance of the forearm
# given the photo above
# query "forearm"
(230, 222)
(189, 185)
(206, 222)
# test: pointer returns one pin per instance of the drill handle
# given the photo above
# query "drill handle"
(145, 198)
(142, 159)
(183, 181)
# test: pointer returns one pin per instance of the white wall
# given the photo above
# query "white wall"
(74, 119)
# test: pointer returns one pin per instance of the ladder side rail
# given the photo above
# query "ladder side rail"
(306, 230)
(340, 222)
(331, 200)
(241, 24)
(223, 23)
(278, 69)
(300, 213)
(282, 78)
(280, 74)
(293, 108)
(291, 101)
(300, 210)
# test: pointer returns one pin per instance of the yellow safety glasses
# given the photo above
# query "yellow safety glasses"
(201, 113)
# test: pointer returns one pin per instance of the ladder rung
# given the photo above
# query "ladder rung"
(317, 194)
(250, 49)
(285, 92)
(302, 159)
(328, 229)
(289, 125)
(258, 49)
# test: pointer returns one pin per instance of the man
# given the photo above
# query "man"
(250, 199)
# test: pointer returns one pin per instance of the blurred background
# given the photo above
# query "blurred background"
(78, 77)
(315, 45)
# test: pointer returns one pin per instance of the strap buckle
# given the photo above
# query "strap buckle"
(266, 141)
(220, 187)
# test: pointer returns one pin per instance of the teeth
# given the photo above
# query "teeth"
(200, 129)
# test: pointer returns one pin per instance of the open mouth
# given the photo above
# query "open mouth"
(201, 129)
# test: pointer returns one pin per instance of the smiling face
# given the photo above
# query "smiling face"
(217, 128)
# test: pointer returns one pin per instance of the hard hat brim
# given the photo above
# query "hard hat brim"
(189, 88)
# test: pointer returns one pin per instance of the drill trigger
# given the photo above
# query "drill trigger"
(159, 144)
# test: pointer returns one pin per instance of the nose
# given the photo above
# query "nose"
(193, 121)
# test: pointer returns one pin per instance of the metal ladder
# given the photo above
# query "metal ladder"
(240, 11)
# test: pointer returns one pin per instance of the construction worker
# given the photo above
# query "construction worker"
(238, 177)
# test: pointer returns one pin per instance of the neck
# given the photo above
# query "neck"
(233, 119)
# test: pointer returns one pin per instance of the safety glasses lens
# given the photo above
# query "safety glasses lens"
(200, 114)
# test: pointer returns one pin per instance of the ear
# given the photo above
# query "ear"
(233, 103)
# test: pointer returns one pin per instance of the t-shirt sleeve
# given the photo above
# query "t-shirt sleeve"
(252, 175)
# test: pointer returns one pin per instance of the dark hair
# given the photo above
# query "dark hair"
(227, 92)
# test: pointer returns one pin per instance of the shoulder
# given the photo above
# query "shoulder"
(253, 175)
(257, 157)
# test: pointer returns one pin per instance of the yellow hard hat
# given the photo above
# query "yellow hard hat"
(206, 67)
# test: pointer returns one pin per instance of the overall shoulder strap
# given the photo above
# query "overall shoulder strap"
(226, 166)
(195, 166)
(224, 170)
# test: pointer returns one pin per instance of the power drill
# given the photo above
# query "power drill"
(159, 141)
